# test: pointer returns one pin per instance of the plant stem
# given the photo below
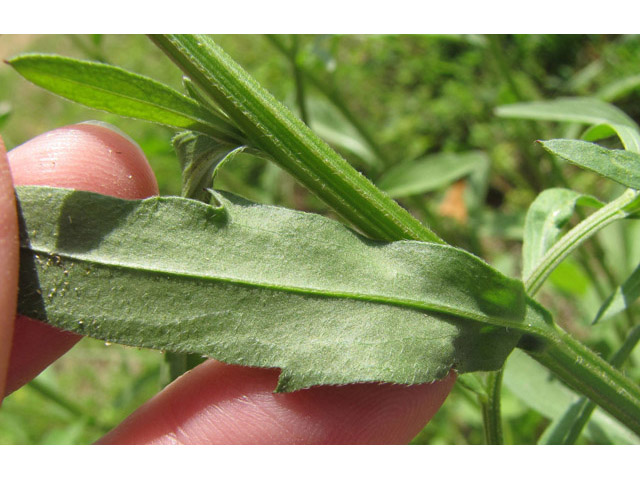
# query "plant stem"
(291, 144)
(576, 236)
(491, 409)
(584, 371)
(577, 417)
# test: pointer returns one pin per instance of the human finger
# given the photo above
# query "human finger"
(8, 264)
(216, 403)
(84, 157)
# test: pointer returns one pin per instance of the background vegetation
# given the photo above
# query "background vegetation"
(382, 101)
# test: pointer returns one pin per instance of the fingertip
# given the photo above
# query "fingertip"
(228, 404)
(85, 156)
(8, 265)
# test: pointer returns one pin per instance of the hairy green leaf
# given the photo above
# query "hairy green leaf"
(112, 89)
(545, 218)
(262, 286)
(272, 128)
(199, 155)
(430, 173)
(619, 165)
(622, 298)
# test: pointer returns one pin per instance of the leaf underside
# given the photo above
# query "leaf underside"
(262, 286)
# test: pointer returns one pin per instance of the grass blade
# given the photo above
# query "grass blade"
(576, 110)
(585, 110)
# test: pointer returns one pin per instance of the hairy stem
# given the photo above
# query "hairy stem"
(291, 144)
(275, 130)
(336, 99)
(587, 373)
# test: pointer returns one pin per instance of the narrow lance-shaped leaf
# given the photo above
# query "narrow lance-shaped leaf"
(619, 165)
(112, 89)
(622, 298)
(545, 218)
(590, 111)
(579, 110)
(430, 173)
(629, 136)
(262, 286)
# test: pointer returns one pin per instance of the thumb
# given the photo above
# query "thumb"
(85, 157)
(8, 264)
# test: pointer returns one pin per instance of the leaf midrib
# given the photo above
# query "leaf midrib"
(311, 291)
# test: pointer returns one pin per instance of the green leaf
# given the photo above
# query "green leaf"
(199, 155)
(118, 91)
(629, 136)
(546, 217)
(585, 110)
(533, 384)
(619, 165)
(622, 298)
(430, 173)
(276, 131)
(625, 206)
(263, 286)
(577, 110)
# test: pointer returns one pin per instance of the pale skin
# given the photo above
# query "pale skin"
(214, 403)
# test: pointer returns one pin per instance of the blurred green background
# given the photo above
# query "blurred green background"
(382, 101)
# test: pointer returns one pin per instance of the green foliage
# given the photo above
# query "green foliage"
(622, 298)
(545, 218)
(534, 386)
(115, 90)
(383, 102)
(430, 173)
(265, 286)
(621, 166)
(578, 110)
